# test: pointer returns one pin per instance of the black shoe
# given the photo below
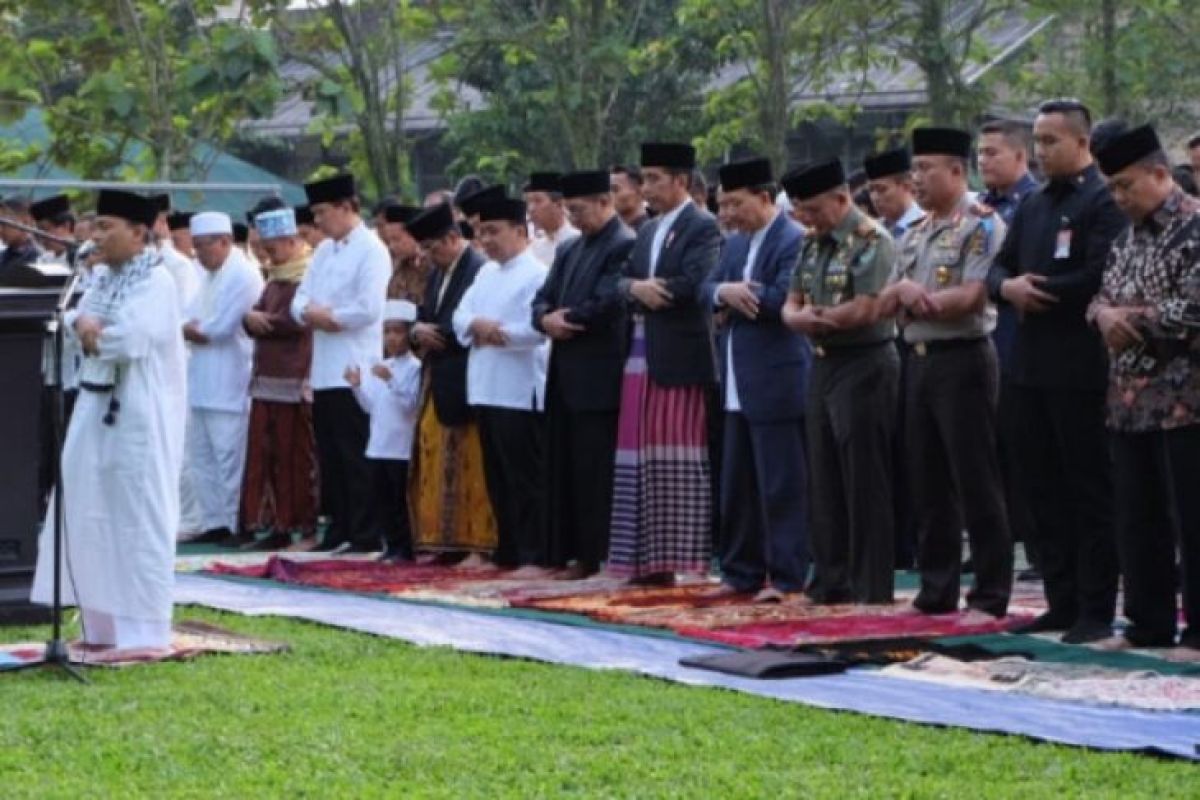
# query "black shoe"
(1085, 631)
(1031, 575)
(1046, 623)
(212, 536)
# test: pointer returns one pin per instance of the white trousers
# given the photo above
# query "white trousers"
(215, 450)
(111, 630)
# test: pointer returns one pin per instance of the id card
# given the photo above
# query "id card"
(1062, 245)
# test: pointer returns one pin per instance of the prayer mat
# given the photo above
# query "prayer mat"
(189, 639)
(887, 625)
(373, 577)
(1143, 690)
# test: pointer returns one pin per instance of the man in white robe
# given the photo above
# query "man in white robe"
(219, 373)
(124, 445)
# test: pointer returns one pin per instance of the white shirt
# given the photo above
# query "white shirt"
(219, 371)
(732, 401)
(350, 276)
(660, 233)
(184, 271)
(545, 245)
(512, 376)
(392, 405)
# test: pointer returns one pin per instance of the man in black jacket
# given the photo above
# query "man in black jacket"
(579, 309)
(451, 511)
(20, 250)
(1048, 269)
(662, 493)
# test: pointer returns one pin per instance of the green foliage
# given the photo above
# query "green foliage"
(357, 716)
(568, 84)
(117, 76)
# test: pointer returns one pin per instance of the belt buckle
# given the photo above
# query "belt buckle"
(920, 349)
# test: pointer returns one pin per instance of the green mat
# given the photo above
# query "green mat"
(1043, 650)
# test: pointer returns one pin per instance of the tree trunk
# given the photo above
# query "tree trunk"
(774, 115)
(1109, 90)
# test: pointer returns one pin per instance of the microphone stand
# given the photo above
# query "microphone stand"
(57, 653)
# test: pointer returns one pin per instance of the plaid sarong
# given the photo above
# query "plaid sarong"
(662, 497)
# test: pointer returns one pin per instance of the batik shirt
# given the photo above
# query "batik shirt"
(1155, 264)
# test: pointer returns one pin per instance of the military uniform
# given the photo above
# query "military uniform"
(950, 403)
(850, 415)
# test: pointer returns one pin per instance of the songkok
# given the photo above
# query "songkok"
(941, 142)
(544, 182)
(401, 214)
(745, 174)
(50, 208)
(811, 180)
(162, 202)
(586, 184)
(399, 311)
(127, 206)
(505, 208)
(276, 224)
(473, 201)
(886, 164)
(1128, 148)
(668, 155)
(179, 220)
(330, 190)
(212, 223)
(432, 223)
(304, 216)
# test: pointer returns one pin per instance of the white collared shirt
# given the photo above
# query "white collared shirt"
(545, 245)
(219, 370)
(350, 276)
(661, 229)
(392, 405)
(732, 401)
(512, 376)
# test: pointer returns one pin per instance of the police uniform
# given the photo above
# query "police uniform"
(850, 413)
(950, 401)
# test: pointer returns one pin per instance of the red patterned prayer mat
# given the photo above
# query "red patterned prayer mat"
(189, 640)
(356, 575)
(883, 624)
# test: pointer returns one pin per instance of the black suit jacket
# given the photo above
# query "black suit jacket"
(586, 369)
(1057, 348)
(679, 347)
(448, 368)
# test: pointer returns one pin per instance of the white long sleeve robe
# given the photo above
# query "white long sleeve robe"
(121, 481)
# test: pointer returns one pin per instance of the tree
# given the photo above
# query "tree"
(1135, 61)
(766, 53)
(565, 83)
(122, 78)
(360, 59)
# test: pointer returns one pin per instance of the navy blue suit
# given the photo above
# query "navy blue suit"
(764, 532)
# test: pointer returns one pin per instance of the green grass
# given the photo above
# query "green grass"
(351, 715)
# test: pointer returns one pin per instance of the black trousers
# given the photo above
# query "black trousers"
(905, 520)
(341, 428)
(580, 451)
(513, 468)
(1062, 447)
(389, 495)
(1013, 472)
(1158, 509)
(950, 396)
(850, 417)
(764, 533)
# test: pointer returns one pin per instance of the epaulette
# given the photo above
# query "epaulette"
(867, 229)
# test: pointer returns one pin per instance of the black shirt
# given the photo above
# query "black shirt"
(1064, 231)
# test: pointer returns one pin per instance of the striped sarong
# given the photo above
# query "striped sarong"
(662, 497)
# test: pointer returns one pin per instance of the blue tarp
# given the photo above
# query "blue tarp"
(864, 691)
